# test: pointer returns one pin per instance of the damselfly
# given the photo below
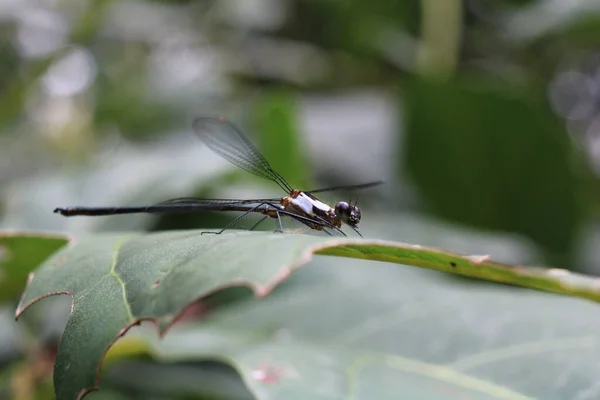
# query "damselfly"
(225, 139)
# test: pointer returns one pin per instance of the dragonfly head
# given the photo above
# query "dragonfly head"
(348, 213)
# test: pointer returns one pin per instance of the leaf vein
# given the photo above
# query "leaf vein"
(114, 273)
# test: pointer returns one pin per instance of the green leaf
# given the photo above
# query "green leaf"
(20, 253)
(116, 281)
(352, 329)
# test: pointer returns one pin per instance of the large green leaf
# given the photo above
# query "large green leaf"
(353, 329)
(118, 280)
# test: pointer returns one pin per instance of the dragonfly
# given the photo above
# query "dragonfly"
(226, 140)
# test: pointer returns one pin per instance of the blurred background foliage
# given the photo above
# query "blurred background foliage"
(483, 116)
(480, 113)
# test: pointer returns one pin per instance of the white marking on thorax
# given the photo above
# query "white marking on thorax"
(306, 204)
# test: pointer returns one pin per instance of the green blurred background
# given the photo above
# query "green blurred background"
(479, 114)
(482, 116)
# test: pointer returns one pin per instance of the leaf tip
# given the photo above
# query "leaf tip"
(20, 308)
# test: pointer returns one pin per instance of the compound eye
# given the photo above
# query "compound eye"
(343, 210)
(356, 214)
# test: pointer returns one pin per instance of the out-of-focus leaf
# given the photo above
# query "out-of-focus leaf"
(114, 394)
(123, 176)
(14, 95)
(548, 17)
(9, 60)
(348, 329)
(128, 108)
(25, 73)
(118, 280)
(277, 126)
(9, 337)
(494, 158)
(353, 27)
(21, 253)
(205, 380)
(26, 380)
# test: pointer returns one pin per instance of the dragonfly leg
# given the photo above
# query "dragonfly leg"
(278, 212)
(239, 217)
(280, 230)
(356, 230)
(327, 224)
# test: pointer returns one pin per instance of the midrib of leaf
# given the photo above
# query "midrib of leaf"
(113, 272)
(525, 349)
(438, 372)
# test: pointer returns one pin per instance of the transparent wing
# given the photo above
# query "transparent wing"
(216, 202)
(348, 187)
(229, 142)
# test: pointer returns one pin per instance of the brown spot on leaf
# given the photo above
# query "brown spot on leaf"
(267, 374)
(192, 312)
